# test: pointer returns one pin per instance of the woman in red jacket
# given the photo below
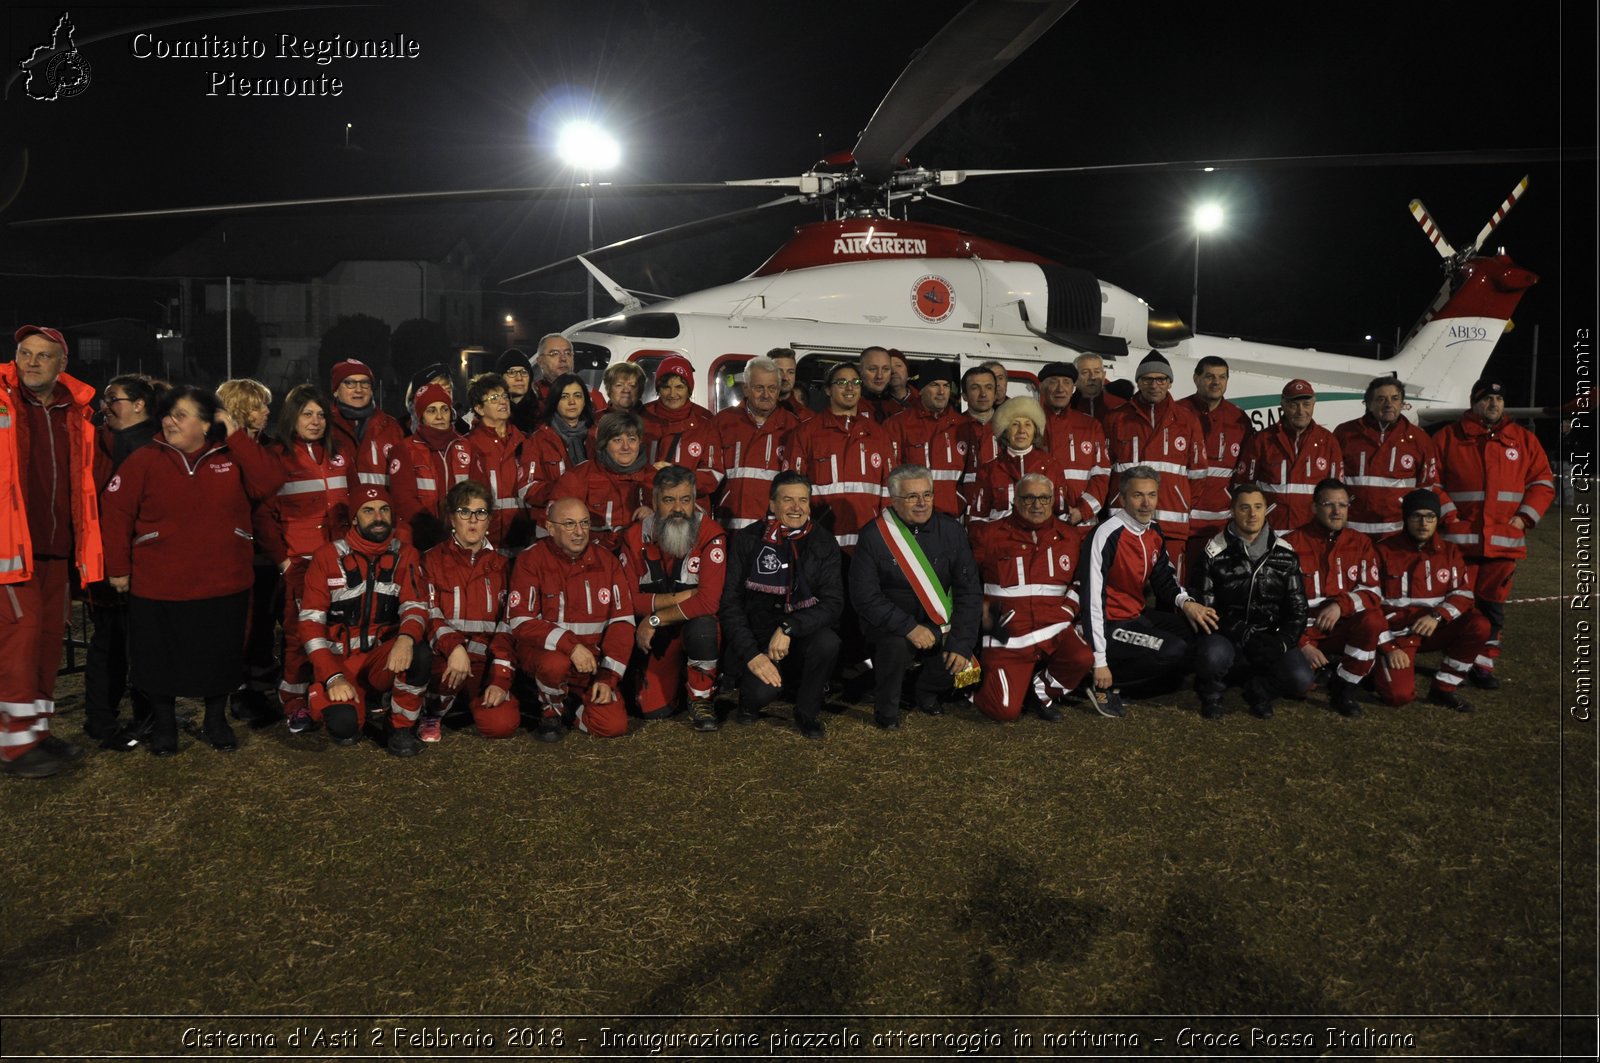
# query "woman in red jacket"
(176, 529)
(433, 459)
(564, 440)
(311, 508)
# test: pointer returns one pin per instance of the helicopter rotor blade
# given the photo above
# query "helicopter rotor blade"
(1431, 230)
(1013, 228)
(645, 240)
(1500, 214)
(962, 57)
(1269, 162)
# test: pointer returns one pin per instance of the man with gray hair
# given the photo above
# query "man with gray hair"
(553, 359)
(674, 560)
(750, 437)
(1125, 561)
(1091, 396)
(915, 588)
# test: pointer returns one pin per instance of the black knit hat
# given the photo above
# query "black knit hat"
(1487, 386)
(935, 371)
(1066, 369)
(513, 358)
(1419, 499)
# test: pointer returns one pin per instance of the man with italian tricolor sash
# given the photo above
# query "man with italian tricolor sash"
(915, 588)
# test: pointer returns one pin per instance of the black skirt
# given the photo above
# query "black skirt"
(187, 649)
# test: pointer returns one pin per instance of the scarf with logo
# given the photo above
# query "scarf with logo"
(776, 566)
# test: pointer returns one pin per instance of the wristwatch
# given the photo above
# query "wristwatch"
(654, 621)
(786, 628)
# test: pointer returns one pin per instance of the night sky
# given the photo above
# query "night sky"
(1315, 257)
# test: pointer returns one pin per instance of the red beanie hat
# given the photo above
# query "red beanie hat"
(427, 395)
(350, 367)
(675, 365)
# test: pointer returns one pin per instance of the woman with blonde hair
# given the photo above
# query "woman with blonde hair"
(249, 403)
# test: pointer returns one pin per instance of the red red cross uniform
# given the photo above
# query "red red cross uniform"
(545, 461)
(684, 436)
(1341, 568)
(1029, 590)
(1289, 469)
(750, 456)
(1420, 580)
(1382, 466)
(671, 665)
(372, 456)
(940, 443)
(992, 491)
(466, 610)
(1226, 430)
(1168, 438)
(423, 478)
(557, 603)
(497, 464)
(359, 598)
(847, 460)
(612, 497)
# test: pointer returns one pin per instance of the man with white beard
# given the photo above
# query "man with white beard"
(678, 555)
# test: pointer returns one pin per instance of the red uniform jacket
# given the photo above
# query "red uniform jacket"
(466, 606)
(419, 486)
(847, 460)
(497, 461)
(312, 506)
(544, 461)
(180, 526)
(1078, 442)
(1100, 409)
(16, 541)
(1225, 431)
(1168, 438)
(558, 603)
(750, 456)
(374, 455)
(993, 492)
(686, 437)
(651, 572)
(940, 443)
(1341, 568)
(358, 596)
(1492, 475)
(796, 405)
(1030, 578)
(1382, 467)
(1289, 470)
(612, 497)
(1419, 579)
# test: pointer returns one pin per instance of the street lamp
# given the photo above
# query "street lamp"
(1207, 219)
(585, 146)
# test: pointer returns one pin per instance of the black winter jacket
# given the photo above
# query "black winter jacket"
(749, 617)
(882, 595)
(1260, 607)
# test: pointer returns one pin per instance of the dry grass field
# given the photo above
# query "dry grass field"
(1416, 864)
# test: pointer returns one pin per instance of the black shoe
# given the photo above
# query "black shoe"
(221, 737)
(1212, 710)
(119, 739)
(812, 729)
(1262, 710)
(930, 706)
(403, 741)
(1047, 711)
(34, 764)
(887, 723)
(163, 740)
(1449, 699)
(60, 748)
(1105, 702)
(1483, 680)
(748, 717)
(702, 715)
(1342, 696)
(551, 729)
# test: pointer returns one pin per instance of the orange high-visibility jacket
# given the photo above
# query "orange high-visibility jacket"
(16, 546)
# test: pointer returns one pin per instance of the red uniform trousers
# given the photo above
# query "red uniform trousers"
(552, 670)
(669, 667)
(298, 677)
(369, 673)
(500, 721)
(1461, 640)
(1491, 587)
(33, 622)
(1353, 643)
(1008, 671)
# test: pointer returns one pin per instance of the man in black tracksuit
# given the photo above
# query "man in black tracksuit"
(892, 611)
(1252, 578)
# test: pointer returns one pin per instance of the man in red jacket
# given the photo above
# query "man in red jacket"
(789, 397)
(1152, 430)
(1344, 608)
(49, 517)
(1289, 459)
(1092, 398)
(570, 611)
(1427, 593)
(1076, 441)
(369, 437)
(751, 437)
(1499, 478)
(1386, 457)
(365, 610)
(1225, 430)
(846, 457)
(675, 559)
(933, 433)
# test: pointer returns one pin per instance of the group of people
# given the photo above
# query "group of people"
(578, 557)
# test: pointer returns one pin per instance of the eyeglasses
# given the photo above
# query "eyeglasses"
(1034, 499)
(916, 496)
(112, 402)
(509, 373)
(848, 385)
(355, 382)
(573, 525)
(472, 514)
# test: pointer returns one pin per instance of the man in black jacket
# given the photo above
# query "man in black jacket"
(1252, 578)
(781, 601)
(915, 588)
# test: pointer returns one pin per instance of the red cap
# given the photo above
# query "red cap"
(53, 335)
(350, 367)
(365, 493)
(427, 395)
(1299, 389)
(675, 365)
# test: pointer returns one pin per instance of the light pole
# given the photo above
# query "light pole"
(586, 147)
(1207, 219)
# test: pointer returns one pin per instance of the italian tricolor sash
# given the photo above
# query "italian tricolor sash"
(903, 545)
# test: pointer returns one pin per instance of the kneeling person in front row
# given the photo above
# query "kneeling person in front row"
(466, 581)
(365, 609)
(1251, 577)
(915, 588)
(781, 603)
(675, 559)
(570, 612)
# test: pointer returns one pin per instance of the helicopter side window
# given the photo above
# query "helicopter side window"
(589, 361)
(1020, 383)
(727, 381)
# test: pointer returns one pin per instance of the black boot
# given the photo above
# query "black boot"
(216, 729)
(163, 727)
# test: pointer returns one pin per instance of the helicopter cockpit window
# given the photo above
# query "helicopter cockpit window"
(640, 326)
(589, 361)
